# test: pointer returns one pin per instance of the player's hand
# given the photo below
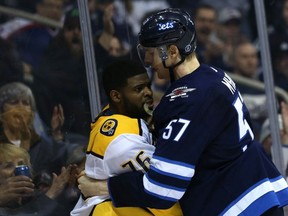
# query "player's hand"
(90, 187)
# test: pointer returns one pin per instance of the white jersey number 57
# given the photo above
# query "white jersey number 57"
(168, 132)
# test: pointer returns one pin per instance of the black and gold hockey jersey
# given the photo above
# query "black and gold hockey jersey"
(117, 144)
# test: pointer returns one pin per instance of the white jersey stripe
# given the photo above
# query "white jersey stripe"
(172, 168)
(174, 162)
(279, 184)
(254, 194)
(169, 174)
(161, 191)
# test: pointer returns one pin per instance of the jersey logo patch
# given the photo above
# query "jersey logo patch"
(179, 92)
(109, 126)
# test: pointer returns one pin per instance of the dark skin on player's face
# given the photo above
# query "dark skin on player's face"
(135, 94)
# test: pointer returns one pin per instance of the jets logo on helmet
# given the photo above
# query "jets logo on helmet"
(165, 26)
(169, 26)
(172, 26)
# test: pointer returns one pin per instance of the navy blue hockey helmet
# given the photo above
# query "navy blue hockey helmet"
(169, 26)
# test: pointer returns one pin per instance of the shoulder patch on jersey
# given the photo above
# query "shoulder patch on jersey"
(109, 126)
(180, 92)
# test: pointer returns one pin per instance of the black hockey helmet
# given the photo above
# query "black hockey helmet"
(169, 26)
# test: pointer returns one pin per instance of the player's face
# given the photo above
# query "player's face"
(152, 58)
(136, 94)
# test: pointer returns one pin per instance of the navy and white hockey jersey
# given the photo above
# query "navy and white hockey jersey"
(205, 156)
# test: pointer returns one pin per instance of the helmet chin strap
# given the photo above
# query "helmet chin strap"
(171, 68)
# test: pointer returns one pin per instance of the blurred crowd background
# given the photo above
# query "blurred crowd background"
(42, 67)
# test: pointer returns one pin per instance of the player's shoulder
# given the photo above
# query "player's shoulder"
(108, 129)
(211, 71)
(115, 125)
(218, 81)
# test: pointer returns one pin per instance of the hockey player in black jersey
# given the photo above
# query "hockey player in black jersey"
(206, 156)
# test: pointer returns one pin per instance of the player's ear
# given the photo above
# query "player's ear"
(173, 50)
(115, 96)
(174, 54)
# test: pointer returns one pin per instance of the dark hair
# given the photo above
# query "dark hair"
(115, 75)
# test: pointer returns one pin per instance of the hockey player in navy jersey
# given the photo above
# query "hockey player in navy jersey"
(206, 156)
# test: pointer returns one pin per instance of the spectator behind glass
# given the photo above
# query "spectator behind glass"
(14, 188)
(108, 48)
(18, 115)
(245, 62)
(31, 38)
(116, 48)
(132, 13)
(209, 47)
(97, 14)
(18, 196)
(11, 67)
(119, 26)
(244, 6)
(278, 40)
(61, 79)
(280, 63)
(281, 27)
(266, 139)
(229, 33)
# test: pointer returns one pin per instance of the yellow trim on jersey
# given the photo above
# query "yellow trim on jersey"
(107, 128)
(107, 209)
